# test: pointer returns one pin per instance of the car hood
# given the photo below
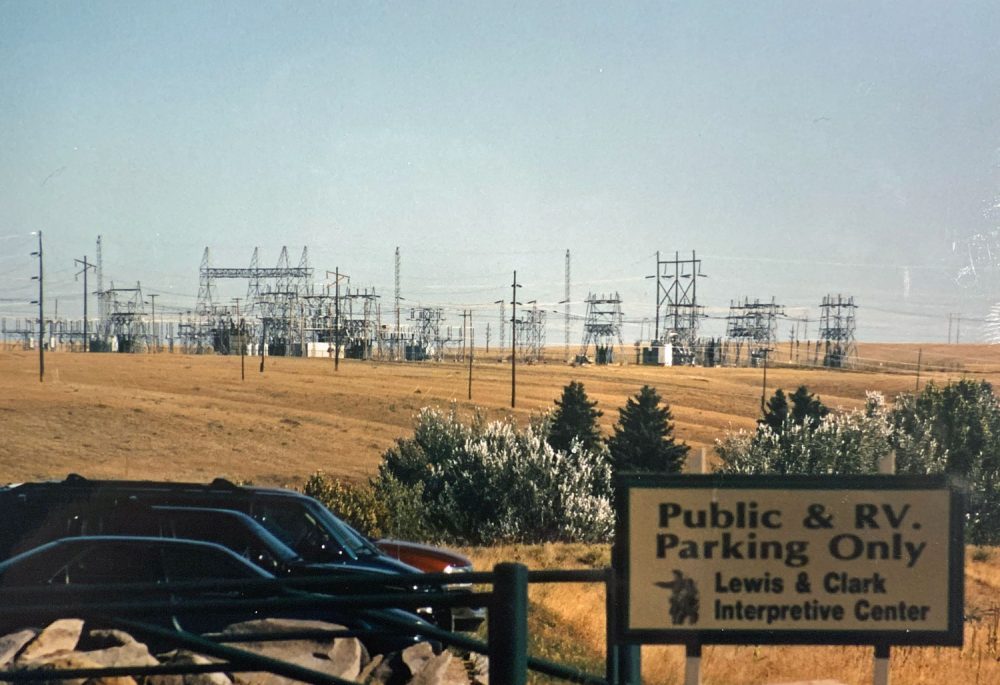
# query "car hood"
(375, 564)
(429, 555)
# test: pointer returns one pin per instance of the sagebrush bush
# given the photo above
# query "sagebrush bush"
(485, 483)
(837, 443)
(953, 429)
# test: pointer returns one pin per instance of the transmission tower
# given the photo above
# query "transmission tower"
(755, 325)
(427, 341)
(602, 328)
(836, 331)
(677, 309)
(206, 286)
(125, 328)
(531, 334)
(277, 306)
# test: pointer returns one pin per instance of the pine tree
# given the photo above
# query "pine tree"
(575, 416)
(807, 410)
(776, 412)
(643, 439)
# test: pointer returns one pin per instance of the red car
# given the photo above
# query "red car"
(430, 559)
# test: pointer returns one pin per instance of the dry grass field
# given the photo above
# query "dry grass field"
(183, 417)
(176, 417)
(576, 618)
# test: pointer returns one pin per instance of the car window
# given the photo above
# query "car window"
(298, 528)
(203, 563)
(110, 563)
(38, 567)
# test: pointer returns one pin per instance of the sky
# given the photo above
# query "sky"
(797, 149)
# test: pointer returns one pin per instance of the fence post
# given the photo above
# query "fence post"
(624, 661)
(508, 625)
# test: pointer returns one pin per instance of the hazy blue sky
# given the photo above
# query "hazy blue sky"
(801, 148)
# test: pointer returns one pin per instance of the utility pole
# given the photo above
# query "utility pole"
(156, 336)
(513, 342)
(336, 321)
(86, 267)
(41, 311)
(763, 388)
(502, 344)
(470, 354)
(263, 341)
(566, 313)
(920, 354)
(656, 334)
(243, 349)
(397, 348)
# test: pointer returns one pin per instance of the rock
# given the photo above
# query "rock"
(433, 670)
(455, 673)
(340, 657)
(102, 638)
(59, 636)
(131, 654)
(66, 660)
(416, 656)
(12, 643)
(186, 657)
(367, 673)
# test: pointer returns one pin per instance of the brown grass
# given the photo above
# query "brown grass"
(580, 610)
(191, 417)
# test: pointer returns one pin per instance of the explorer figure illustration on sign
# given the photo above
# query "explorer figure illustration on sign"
(683, 599)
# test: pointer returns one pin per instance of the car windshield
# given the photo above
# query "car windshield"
(232, 530)
(310, 530)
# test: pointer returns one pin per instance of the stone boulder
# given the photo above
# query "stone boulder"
(340, 657)
(58, 636)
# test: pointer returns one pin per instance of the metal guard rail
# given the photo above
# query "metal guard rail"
(506, 605)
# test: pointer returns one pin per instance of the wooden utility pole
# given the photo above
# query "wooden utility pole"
(513, 343)
(336, 322)
(41, 311)
(763, 388)
(263, 341)
(156, 336)
(470, 354)
(243, 348)
(86, 267)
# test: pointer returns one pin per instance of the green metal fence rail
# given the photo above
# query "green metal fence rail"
(506, 604)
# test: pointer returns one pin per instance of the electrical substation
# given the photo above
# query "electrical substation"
(293, 309)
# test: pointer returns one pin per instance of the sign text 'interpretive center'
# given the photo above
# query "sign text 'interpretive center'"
(708, 555)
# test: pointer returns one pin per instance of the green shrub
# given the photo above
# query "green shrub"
(382, 507)
(485, 483)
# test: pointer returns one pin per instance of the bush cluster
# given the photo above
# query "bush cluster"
(954, 429)
(487, 482)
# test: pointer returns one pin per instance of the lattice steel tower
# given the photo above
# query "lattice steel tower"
(836, 330)
(677, 309)
(602, 328)
(754, 324)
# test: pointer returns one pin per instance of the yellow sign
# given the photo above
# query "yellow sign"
(727, 556)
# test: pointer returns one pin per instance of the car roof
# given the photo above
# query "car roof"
(217, 485)
(84, 541)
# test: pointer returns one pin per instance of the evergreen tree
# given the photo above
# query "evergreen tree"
(776, 412)
(575, 416)
(807, 410)
(643, 439)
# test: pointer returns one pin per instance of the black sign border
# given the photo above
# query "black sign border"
(952, 636)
